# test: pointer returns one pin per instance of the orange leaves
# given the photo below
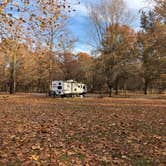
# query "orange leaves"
(34, 157)
(43, 25)
(91, 131)
(123, 36)
(160, 8)
(84, 57)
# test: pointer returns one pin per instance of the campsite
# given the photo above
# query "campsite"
(82, 82)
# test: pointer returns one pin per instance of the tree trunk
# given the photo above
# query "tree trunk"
(50, 58)
(146, 87)
(12, 81)
(110, 89)
(116, 86)
(50, 73)
(110, 93)
(14, 75)
(39, 85)
(124, 87)
(11, 86)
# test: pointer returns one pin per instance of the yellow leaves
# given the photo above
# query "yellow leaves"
(26, 2)
(34, 157)
(84, 57)
(1, 11)
(3, 5)
(164, 153)
(43, 24)
(36, 147)
(70, 153)
(107, 159)
(56, 15)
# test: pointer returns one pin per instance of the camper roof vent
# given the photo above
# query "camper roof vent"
(71, 81)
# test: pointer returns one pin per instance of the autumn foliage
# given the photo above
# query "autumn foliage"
(36, 47)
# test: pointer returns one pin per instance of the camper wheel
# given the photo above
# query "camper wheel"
(50, 93)
(73, 95)
(81, 96)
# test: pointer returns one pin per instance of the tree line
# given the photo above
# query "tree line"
(36, 47)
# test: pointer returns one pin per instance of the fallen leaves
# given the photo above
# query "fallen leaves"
(34, 157)
(43, 131)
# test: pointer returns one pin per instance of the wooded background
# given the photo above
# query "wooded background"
(36, 47)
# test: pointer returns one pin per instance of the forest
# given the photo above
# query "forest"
(37, 48)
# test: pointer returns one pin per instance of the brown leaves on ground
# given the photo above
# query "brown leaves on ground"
(90, 132)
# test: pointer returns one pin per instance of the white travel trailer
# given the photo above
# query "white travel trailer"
(68, 88)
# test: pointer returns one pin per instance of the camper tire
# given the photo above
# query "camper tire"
(81, 96)
(50, 93)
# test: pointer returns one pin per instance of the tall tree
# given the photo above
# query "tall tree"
(12, 32)
(160, 10)
(51, 23)
(107, 17)
(148, 45)
(117, 57)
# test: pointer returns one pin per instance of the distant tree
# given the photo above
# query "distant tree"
(117, 54)
(10, 49)
(68, 65)
(148, 44)
(85, 68)
(41, 65)
(3, 72)
(27, 71)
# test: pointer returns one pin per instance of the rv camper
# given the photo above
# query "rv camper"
(68, 88)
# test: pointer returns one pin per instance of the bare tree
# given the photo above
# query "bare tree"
(106, 13)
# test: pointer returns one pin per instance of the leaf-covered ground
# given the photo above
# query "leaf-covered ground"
(90, 131)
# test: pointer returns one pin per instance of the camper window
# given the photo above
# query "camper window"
(59, 87)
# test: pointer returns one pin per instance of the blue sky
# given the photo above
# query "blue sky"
(79, 24)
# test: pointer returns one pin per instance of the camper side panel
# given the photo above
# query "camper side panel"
(58, 87)
(67, 88)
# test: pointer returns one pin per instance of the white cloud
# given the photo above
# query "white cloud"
(83, 48)
(139, 4)
(136, 4)
(82, 10)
